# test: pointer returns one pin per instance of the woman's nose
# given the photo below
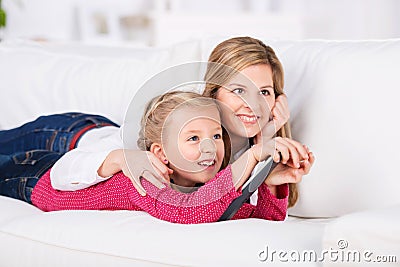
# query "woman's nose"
(207, 146)
(256, 103)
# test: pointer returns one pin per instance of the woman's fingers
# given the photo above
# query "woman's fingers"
(144, 164)
(160, 168)
(281, 111)
(149, 176)
(307, 164)
(135, 179)
(152, 178)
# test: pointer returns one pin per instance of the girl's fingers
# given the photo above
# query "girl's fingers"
(281, 151)
(300, 148)
(290, 153)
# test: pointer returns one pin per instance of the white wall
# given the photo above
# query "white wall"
(61, 20)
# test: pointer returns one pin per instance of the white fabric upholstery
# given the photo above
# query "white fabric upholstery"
(119, 238)
(369, 237)
(343, 100)
(344, 104)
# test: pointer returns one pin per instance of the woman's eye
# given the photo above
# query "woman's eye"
(238, 91)
(265, 92)
(217, 136)
(193, 138)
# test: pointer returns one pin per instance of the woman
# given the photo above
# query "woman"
(245, 99)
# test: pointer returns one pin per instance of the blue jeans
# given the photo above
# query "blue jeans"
(28, 151)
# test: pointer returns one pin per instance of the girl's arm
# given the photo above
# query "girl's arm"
(269, 206)
(207, 204)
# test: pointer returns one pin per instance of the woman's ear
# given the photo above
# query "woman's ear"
(157, 150)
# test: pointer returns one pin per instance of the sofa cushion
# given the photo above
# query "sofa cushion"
(50, 78)
(344, 103)
(134, 238)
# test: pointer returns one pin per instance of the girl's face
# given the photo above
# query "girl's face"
(246, 101)
(193, 144)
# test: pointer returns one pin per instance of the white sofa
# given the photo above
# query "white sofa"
(344, 100)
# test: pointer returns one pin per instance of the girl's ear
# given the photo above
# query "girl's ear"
(157, 150)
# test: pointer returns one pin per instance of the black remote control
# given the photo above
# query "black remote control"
(249, 187)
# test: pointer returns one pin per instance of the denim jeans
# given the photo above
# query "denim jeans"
(28, 151)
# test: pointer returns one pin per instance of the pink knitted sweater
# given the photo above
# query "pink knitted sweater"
(206, 204)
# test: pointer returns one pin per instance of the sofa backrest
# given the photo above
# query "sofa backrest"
(343, 97)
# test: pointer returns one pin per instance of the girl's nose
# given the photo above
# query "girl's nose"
(207, 146)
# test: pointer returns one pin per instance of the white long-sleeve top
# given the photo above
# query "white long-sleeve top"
(77, 169)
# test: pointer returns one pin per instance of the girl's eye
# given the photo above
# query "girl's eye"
(265, 92)
(238, 91)
(193, 138)
(217, 136)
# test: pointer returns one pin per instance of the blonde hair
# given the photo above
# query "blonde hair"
(232, 56)
(159, 108)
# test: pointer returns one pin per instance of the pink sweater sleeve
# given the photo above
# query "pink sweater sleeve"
(269, 207)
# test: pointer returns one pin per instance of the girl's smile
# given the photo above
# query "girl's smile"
(192, 142)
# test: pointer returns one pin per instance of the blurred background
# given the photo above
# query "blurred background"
(162, 22)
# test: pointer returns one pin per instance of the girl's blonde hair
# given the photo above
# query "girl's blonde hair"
(159, 108)
(232, 56)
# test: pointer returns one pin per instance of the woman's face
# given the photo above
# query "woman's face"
(194, 145)
(246, 101)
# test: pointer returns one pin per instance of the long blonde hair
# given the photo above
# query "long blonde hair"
(232, 56)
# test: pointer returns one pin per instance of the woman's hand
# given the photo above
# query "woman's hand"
(280, 115)
(283, 173)
(136, 164)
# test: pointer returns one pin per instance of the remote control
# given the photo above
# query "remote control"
(249, 187)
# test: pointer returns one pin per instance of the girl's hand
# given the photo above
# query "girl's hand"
(284, 150)
(280, 115)
(136, 164)
(284, 173)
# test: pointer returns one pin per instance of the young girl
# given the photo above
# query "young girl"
(183, 130)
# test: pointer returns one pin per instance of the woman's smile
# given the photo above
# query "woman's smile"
(248, 119)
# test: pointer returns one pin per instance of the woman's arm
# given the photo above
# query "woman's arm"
(136, 164)
(88, 165)
(77, 170)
